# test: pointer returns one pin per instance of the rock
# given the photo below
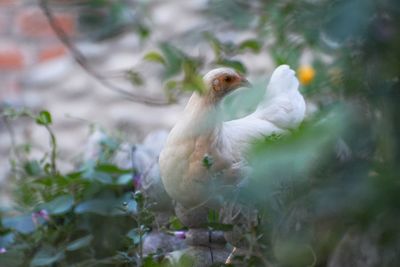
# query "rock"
(207, 256)
(205, 247)
(156, 242)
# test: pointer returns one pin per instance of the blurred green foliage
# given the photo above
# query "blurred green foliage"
(78, 214)
(100, 20)
(92, 216)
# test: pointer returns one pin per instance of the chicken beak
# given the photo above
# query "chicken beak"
(245, 83)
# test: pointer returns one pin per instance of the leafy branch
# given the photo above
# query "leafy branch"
(82, 61)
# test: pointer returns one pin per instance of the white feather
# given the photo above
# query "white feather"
(282, 108)
(200, 132)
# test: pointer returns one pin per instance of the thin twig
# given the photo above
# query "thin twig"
(229, 260)
(81, 60)
(11, 134)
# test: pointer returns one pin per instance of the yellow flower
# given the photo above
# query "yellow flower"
(306, 74)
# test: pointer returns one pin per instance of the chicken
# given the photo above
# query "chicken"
(204, 154)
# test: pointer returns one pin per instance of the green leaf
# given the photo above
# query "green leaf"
(107, 206)
(80, 243)
(235, 64)
(109, 168)
(51, 180)
(208, 161)
(13, 257)
(292, 252)
(212, 216)
(32, 168)
(236, 12)
(135, 77)
(155, 57)
(291, 158)
(59, 205)
(74, 175)
(103, 173)
(102, 206)
(143, 31)
(283, 55)
(149, 261)
(134, 236)
(46, 257)
(124, 179)
(102, 177)
(44, 118)
(192, 80)
(22, 223)
(7, 240)
(195, 83)
(174, 58)
(130, 206)
(215, 44)
(170, 85)
(175, 224)
(220, 226)
(186, 261)
(251, 44)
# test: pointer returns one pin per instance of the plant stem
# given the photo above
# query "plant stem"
(53, 156)
(140, 237)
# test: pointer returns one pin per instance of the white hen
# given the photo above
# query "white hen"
(201, 134)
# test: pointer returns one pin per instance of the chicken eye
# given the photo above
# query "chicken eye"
(228, 79)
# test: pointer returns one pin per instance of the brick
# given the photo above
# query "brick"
(11, 59)
(33, 23)
(51, 52)
(8, 2)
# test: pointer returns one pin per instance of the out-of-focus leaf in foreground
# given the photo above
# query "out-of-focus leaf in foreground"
(290, 158)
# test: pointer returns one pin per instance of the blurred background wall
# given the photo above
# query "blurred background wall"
(38, 72)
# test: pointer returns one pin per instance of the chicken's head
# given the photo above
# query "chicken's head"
(222, 81)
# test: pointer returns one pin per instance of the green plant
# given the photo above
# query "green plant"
(86, 217)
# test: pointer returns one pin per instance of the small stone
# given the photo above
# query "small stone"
(156, 241)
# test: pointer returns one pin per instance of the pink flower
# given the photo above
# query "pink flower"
(3, 250)
(44, 214)
(40, 214)
(180, 234)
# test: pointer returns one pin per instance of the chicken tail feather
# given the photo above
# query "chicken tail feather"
(283, 105)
